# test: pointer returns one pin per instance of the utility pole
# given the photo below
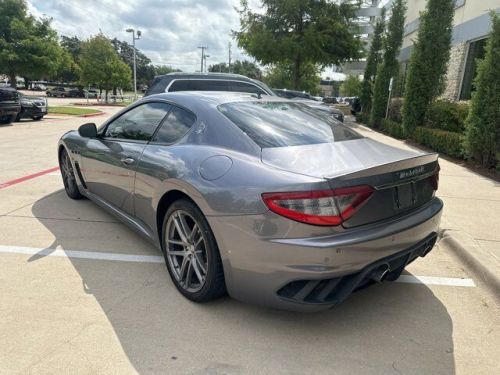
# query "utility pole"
(206, 57)
(134, 38)
(203, 48)
(229, 65)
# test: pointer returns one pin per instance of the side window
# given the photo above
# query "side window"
(246, 87)
(178, 122)
(158, 86)
(139, 123)
(198, 85)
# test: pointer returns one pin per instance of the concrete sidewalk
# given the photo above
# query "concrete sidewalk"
(471, 218)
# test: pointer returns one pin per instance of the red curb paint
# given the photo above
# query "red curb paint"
(93, 114)
(6, 184)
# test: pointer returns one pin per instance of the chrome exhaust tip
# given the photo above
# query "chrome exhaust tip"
(380, 273)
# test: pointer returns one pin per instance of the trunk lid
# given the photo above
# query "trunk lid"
(403, 180)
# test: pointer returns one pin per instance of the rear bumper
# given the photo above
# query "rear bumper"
(262, 269)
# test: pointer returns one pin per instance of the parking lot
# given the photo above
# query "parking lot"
(81, 293)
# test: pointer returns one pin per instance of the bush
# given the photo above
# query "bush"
(395, 108)
(393, 128)
(362, 117)
(443, 141)
(446, 115)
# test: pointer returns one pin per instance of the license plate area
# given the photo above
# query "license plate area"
(404, 196)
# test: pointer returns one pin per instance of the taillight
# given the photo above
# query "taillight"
(319, 207)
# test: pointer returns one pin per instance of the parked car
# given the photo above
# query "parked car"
(10, 105)
(355, 106)
(259, 196)
(330, 100)
(82, 93)
(39, 87)
(32, 107)
(57, 92)
(324, 108)
(206, 82)
(292, 94)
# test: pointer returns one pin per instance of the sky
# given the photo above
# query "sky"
(171, 29)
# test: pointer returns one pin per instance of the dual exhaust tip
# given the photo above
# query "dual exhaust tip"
(380, 273)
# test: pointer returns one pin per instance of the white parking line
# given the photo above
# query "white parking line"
(43, 252)
(96, 255)
(431, 280)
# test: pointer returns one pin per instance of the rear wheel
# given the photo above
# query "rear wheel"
(68, 176)
(191, 253)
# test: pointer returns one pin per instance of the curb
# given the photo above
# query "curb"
(92, 114)
(480, 262)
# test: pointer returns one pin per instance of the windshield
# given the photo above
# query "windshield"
(280, 124)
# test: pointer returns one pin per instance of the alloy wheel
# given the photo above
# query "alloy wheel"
(186, 250)
(67, 171)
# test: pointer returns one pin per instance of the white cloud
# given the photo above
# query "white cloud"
(171, 29)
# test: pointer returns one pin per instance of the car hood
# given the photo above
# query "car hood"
(329, 160)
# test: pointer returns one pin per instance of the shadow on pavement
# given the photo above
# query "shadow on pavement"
(387, 328)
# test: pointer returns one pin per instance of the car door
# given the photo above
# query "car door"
(109, 162)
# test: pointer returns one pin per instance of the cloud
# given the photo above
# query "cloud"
(171, 29)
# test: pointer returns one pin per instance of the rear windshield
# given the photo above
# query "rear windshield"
(277, 124)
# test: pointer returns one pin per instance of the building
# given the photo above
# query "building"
(367, 15)
(471, 25)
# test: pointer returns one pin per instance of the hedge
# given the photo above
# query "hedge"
(394, 112)
(443, 141)
(446, 115)
(393, 128)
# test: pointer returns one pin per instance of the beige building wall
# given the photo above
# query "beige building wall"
(470, 23)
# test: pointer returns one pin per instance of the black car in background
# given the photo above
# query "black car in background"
(82, 93)
(207, 82)
(32, 107)
(57, 92)
(292, 94)
(10, 105)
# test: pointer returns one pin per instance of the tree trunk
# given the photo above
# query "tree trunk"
(12, 79)
(296, 73)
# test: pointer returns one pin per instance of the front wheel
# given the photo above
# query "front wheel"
(191, 253)
(68, 176)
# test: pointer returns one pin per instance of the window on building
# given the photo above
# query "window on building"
(476, 51)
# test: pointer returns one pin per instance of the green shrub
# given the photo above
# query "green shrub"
(443, 141)
(393, 128)
(446, 115)
(362, 117)
(395, 109)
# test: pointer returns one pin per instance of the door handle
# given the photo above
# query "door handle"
(127, 161)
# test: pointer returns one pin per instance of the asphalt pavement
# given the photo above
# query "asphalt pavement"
(82, 294)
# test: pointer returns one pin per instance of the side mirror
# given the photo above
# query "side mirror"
(88, 130)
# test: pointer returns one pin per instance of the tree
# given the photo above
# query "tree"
(351, 86)
(246, 68)
(482, 135)
(70, 68)
(428, 62)
(297, 33)
(281, 76)
(145, 70)
(372, 61)
(388, 68)
(28, 47)
(164, 69)
(100, 65)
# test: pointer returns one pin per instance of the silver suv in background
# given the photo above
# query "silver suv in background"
(207, 82)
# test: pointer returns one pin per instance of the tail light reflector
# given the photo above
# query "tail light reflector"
(319, 207)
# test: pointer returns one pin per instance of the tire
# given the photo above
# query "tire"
(68, 176)
(194, 263)
(37, 118)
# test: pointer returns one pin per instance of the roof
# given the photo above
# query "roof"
(204, 75)
(214, 97)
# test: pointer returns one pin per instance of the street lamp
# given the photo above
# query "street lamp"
(134, 38)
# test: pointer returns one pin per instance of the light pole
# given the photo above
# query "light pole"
(203, 48)
(134, 38)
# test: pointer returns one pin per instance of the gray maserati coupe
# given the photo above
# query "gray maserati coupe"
(263, 198)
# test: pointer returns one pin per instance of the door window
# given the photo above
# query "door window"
(178, 122)
(139, 123)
